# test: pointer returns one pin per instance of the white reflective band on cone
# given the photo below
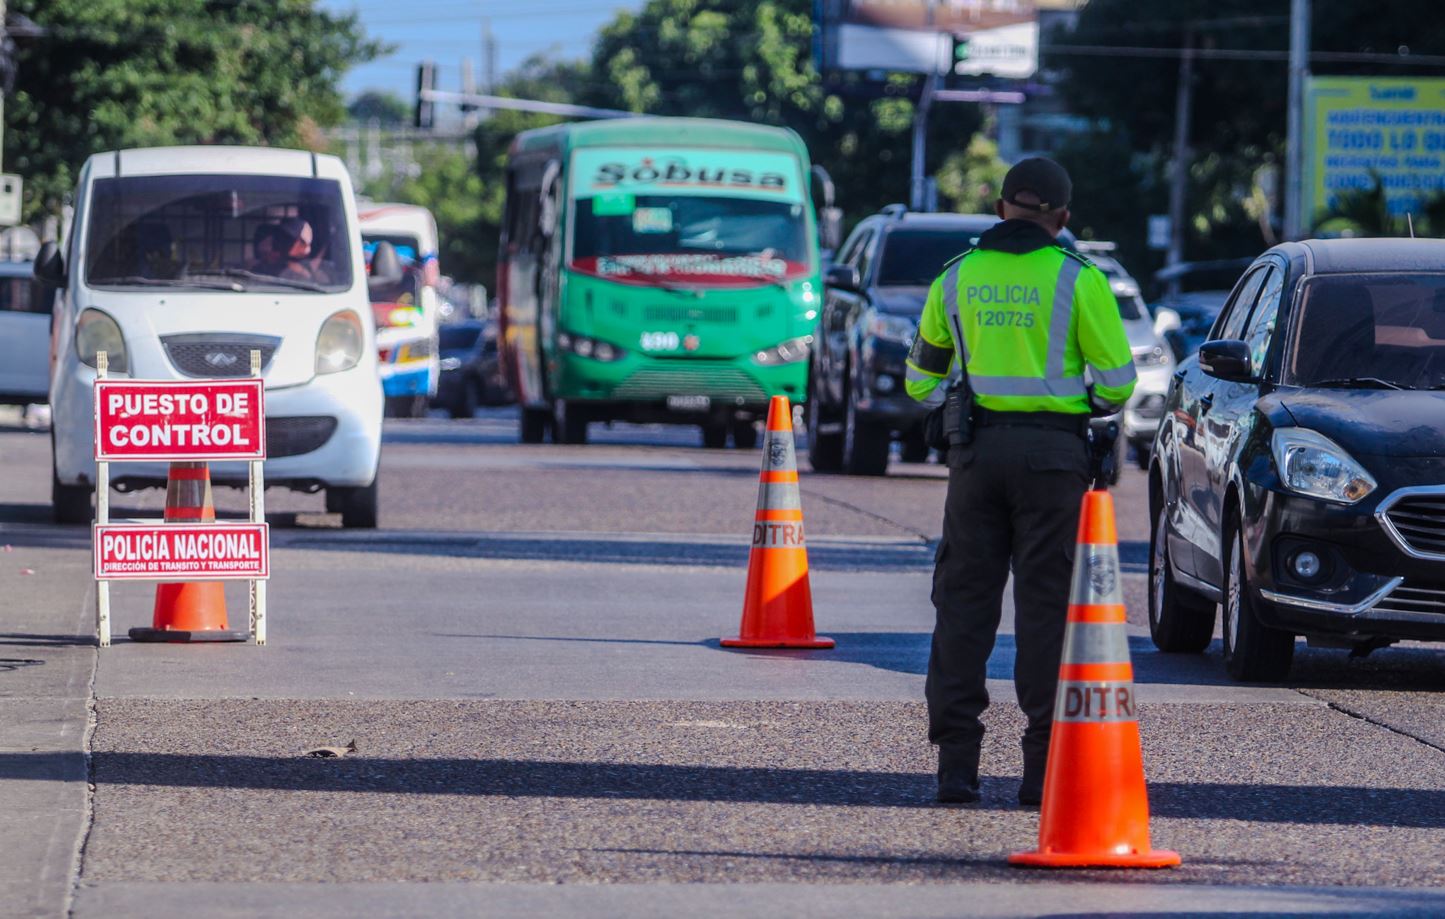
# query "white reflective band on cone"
(1095, 701)
(1096, 576)
(1096, 643)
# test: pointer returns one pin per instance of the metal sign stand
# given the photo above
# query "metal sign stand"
(256, 482)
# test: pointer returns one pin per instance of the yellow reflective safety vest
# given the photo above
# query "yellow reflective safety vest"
(1038, 331)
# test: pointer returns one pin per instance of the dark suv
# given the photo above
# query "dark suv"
(874, 295)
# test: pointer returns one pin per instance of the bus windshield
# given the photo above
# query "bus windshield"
(693, 238)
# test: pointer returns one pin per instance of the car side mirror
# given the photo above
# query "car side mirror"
(49, 268)
(830, 227)
(1166, 320)
(1226, 359)
(843, 277)
(385, 266)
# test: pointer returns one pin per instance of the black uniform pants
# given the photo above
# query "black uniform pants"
(1013, 497)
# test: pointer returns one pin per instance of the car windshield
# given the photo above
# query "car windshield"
(458, 337)
(1381, 330)
(690, 238)
(226, 232)
(914, 258)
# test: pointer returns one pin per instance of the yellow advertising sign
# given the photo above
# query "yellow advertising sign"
(1361, 130)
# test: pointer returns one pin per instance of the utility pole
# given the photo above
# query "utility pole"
(1179, 173)
(917, 186)
(1299, 44)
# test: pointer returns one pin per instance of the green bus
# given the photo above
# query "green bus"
(657, 270)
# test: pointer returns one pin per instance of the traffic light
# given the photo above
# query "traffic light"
(426, 79)
(960, 54)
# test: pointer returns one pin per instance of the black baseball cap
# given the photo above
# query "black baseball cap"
(1048, 181)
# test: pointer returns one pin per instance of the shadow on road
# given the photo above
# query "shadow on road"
(1252, 802)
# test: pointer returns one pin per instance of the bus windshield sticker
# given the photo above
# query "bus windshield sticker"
(650, 219)
(613, 204)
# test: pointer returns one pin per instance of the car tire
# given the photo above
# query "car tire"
(1253, 652)
(825, 451)
(1142, 452)
(569, 423)
(865, 443)
(745, 434)
(534, 425)
(69, 503)
(357, 505)
(1180, 620)
(915, 448)
(715, 435)
(465, 403)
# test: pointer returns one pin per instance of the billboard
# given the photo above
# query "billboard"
(1360, 130)
(967, 38)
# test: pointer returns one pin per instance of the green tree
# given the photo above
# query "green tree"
(970, 179)
(388, 109)
(125, 73)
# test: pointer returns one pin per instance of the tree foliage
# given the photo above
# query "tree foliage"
(387, 109)
(126, 73)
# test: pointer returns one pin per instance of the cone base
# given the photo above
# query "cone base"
(183, 635)
(1155, 858)
(816, 643)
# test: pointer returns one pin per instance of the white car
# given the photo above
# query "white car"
(180, 261)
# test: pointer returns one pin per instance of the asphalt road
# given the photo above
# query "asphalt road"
(526, 658)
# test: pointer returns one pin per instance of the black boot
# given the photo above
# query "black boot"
(1031, 789)
(957, 775)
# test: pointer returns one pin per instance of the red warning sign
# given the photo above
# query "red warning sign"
(209, 552)
(180, 420)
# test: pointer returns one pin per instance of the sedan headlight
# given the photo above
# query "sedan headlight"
(338, 346)
(893, 328)
(96, 331)
(788, 352)
(1151, 356)
(1311, 464)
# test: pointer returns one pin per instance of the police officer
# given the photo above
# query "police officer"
(1039, 335)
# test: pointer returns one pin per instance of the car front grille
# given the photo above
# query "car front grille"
(690, 378)
(210, 355)
(298, 434)
(1416, 597)
(1418, 522)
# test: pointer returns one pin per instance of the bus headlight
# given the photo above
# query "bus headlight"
(592, 348)
(96, 331)
(338, 345)
(787, 352)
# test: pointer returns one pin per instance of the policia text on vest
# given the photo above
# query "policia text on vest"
(1038, 331)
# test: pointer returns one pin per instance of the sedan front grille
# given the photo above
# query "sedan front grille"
(298, 434)
(210, 355)
(1417, 523)
(1417, 597)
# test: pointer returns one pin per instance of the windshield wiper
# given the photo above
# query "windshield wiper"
(243, 274)
(1360, 381)
(139, 281)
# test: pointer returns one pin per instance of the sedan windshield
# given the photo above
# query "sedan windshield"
(1370, 331)
(218, 232)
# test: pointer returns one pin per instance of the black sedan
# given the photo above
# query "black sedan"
(1298, 478)
(471, 374)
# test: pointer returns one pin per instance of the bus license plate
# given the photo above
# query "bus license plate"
(688, 403)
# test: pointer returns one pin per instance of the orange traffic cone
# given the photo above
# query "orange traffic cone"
(1095, 809)
(194, 610)
(778, 605)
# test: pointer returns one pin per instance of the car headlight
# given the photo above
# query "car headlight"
(1151, 356)
(451, 363)
(96, 331)
(1311, 464)
(582, 346)
(788, 352)
(893, 328)
(338, 346)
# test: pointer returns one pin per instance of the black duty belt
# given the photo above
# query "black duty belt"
(1059, 421)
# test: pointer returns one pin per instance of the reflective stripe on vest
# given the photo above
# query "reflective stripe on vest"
(1055, 382)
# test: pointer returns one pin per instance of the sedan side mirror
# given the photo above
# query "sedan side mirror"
(49, 268)
(843, 277)
(1226, 359)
